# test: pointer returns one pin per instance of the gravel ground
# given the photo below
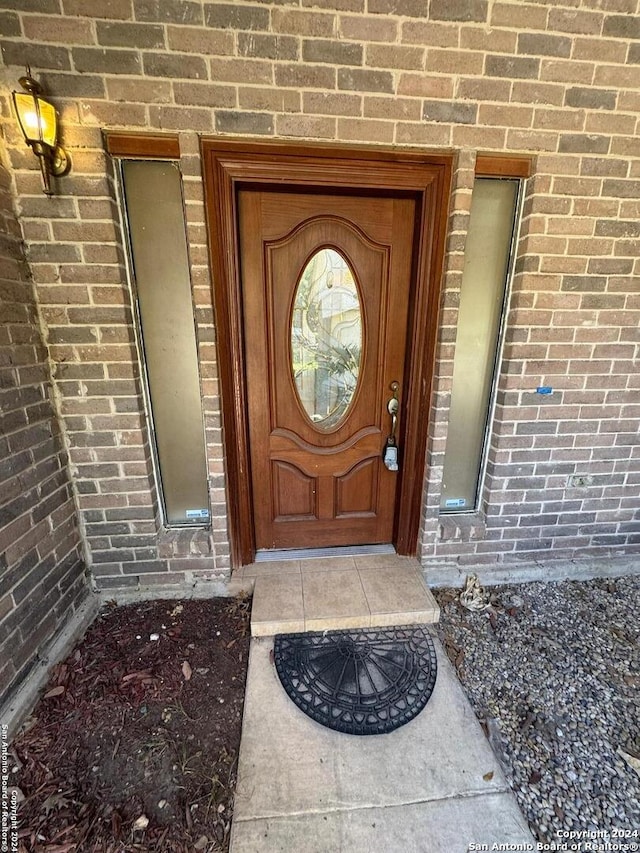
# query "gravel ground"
(553, 673)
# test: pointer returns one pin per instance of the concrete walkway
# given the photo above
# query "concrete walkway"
(432, 786)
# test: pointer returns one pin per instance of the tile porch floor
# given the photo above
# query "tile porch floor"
(327, 593)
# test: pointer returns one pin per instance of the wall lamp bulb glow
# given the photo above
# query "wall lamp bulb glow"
(38, 122)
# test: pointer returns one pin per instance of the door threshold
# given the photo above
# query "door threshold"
(266, 556)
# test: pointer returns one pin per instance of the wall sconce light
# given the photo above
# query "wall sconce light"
(39, 125)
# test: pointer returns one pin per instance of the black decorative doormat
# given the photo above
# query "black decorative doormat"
(361, 682)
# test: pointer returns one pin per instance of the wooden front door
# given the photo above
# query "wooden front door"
(326, 281)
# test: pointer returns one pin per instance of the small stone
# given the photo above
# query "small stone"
(141, 823)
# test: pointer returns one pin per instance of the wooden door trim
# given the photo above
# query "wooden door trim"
(229, 166)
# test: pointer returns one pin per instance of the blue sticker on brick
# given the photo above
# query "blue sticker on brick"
(544, 389)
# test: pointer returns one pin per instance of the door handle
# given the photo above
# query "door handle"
(393, 407)
(390, 452)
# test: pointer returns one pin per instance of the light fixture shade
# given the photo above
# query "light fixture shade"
(37, 118)
(39, 125)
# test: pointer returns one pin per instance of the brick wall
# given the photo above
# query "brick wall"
(463, 75)
(42, 576)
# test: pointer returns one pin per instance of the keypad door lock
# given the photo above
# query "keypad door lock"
(390, 455)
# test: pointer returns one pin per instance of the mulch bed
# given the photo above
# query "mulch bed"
(134, 744)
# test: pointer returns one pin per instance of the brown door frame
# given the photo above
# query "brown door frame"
(231, 165)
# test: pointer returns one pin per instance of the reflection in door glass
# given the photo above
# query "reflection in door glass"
(326, 338)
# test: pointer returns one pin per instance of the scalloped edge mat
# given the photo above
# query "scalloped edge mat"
(365, 681)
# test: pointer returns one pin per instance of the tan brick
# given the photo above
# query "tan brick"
(56, 29)
(277, 100)
(604, 166)
(575, 21)
(340, 5)
(597, 207)
(601, 123)
(107, 60)
(422, 134)
(537, 93)
(566, 71)
(404, 109)
(403, 8)
(570, 225)
(454, 61)
(629, 101)
(304, 76)
(303, 22)
(117, 9)
(430, 33)
(112, 115)
(513, 14)
(368, 29)
(306, 126)
(365, 130)
(332, 52)
(421, 85)
(546, 245)
(356, 79)
(546, 119)
(562, 264)
(197, 40)
(624, 147)
(204, 94)
(37, 54)
(395, 57)
(332, 103)
(583, 143)
(175, 118)
(538, 44)
(130, 35)
(505, 116)
(240, 71)
(489, 40)
(97, 253)
(577, 186)
(268, 46)
(609, 50)
(487, 138)
(625, 77)
(555, 301)
(140, 91)
(525, 67)
(231, 121)
(479, 89)
(459, 10)
(234, 16)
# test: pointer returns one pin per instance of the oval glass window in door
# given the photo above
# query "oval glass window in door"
(326, 338)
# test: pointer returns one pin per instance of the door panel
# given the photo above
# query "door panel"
(317, 427)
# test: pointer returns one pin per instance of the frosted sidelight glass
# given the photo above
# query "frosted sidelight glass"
(482, 297)
(153, 196)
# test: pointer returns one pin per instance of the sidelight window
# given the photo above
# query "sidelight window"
(483, 298)
(160, 277)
